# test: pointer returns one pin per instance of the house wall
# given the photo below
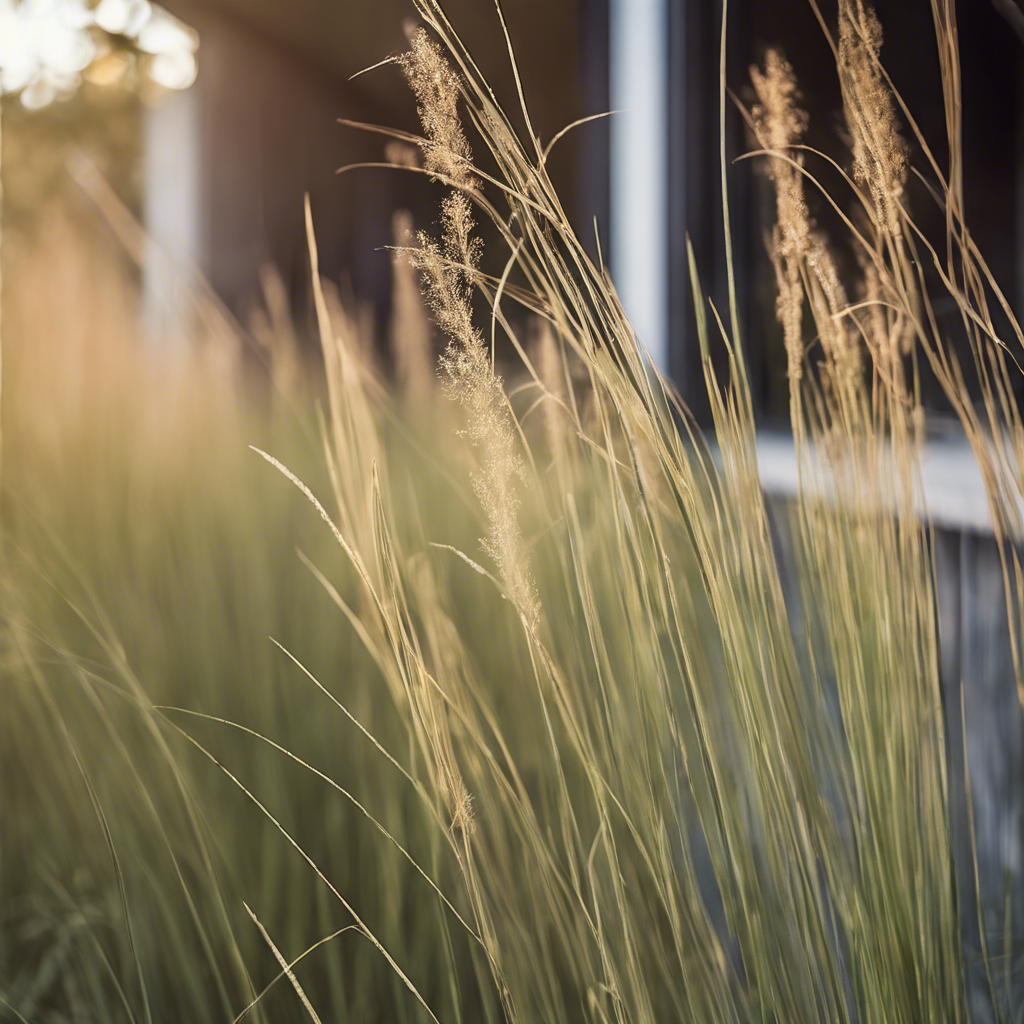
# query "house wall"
(261, 130)
(232, 159)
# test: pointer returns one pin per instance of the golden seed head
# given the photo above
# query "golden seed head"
(779, 124)
(437, 88)
(880, 153)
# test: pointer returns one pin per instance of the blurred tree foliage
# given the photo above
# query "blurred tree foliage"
(101, 124)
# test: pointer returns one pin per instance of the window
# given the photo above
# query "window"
(650, 264)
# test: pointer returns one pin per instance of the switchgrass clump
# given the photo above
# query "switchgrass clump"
(676, 707)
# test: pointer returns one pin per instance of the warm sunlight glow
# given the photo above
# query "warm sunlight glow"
(47, 46)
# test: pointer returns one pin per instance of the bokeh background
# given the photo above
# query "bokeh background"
(213, 120)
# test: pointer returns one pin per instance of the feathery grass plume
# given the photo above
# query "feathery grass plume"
(779, 124)
(450, 268)
(797, 249)
(470, 380)
(880, 153)
(437, 88)
(788, 305)
(828, 305)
